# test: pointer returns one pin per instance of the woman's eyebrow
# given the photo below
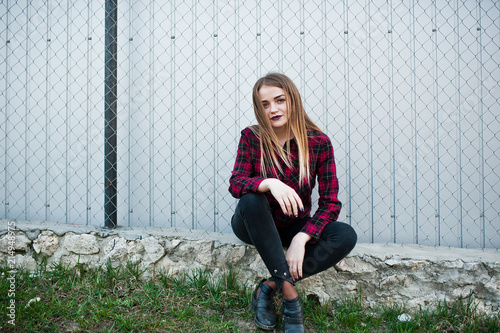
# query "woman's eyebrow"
(282, 95)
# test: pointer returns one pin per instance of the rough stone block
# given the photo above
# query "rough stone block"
(115, 251)
(25, 262)
(134, 251)
(46, 243)
(153, 250)
(20, 242)
(356, 265)
(81, 244)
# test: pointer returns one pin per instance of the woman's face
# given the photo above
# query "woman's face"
(275, 106)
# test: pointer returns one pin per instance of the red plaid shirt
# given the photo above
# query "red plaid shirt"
(246, 177)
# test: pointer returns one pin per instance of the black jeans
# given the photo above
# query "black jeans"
(253, 223)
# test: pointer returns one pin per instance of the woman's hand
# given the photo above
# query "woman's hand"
(286, 196)
(295, 254)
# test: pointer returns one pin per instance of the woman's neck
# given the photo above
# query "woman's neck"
(282, 137)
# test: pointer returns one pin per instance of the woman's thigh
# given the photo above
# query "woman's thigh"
(337, 240)
(252, 214)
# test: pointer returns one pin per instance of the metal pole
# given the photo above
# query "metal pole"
(110, 121)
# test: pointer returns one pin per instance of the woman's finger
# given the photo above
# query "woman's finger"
(293, 268)
(300, 205)
(287, 206)
(291, 204)
(293, 271)
(293, 207)
(284, 205)
(297, 204)
(299, 270)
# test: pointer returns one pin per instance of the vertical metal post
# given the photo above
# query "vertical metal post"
(438, 126)
(89, 112)
(216, 116)
(392, 108)
(194, 111)
(370, 139)
(481, 133)
(415, 117)
(258, 51)
(459, 107)
(347, 86)
(173, 157)
(110, 114)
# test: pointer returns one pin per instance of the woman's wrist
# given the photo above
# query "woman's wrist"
(302, 237)
(264, 185)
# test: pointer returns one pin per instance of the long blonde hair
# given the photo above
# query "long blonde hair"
(297, 125)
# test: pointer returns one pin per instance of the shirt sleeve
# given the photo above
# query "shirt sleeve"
(328, 187)
(243, 179)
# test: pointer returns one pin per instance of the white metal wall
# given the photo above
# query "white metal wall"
(407, 90)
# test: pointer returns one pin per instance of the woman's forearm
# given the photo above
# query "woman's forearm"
(264, 185)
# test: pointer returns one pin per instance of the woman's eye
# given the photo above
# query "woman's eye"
(265, 105)
(281, 100)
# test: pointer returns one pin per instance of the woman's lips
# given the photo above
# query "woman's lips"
(276, 118)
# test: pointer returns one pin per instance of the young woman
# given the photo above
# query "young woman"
(277, 164)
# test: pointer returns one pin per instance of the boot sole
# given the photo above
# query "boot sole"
(262, 326)
(253, 307)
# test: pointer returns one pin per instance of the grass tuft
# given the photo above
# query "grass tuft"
(121, 299)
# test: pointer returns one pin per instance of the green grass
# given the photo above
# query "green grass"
(111, 299)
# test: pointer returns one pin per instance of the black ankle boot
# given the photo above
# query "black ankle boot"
(265, 317)
(293, 316)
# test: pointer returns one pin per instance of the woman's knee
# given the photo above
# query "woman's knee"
(252, 213)
(253, 200)
(350, 237)
(341, 234)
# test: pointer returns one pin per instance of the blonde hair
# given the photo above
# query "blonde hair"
(298, 123)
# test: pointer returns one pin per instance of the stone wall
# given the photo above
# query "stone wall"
(381, 273)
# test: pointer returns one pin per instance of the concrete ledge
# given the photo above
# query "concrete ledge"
(381, 273)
